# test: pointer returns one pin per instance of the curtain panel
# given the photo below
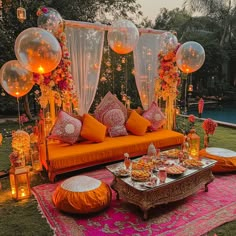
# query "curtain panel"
(146, 66)
(85, 46)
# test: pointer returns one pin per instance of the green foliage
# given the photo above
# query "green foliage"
(117, 77)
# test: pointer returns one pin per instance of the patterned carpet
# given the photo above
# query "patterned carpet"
(195, 215)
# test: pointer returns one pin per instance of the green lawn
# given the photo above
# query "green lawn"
(23, 217)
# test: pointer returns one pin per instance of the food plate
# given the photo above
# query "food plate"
(139, 179)
(122, 173)
(175, 170)
(192, 164)
(149, 185)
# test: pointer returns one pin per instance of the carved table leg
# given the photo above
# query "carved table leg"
(206, 185)
(112, 186)
(145, 214)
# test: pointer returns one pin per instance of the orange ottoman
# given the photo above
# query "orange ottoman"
(226, 159)
(82, 194)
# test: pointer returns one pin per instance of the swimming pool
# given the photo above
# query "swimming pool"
(223, 112)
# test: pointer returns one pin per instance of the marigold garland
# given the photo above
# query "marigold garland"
(167, 83)
(169, 76)
(59, 82)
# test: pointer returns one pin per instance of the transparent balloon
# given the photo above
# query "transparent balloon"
(168, 42)
(190, 57)
(16, 80)
(50, 20)
(38, 50)
(123, 36)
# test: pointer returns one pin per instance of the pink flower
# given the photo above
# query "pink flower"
(191, 118)
(62, 85)
(209, 126)
(44, 10)
(23, 118)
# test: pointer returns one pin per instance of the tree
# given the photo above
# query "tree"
(222, 11)
(176, 19)
(89, 11)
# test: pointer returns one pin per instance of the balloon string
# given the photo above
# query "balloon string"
(185, 95)
(18, 106)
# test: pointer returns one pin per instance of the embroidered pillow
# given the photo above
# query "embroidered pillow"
(155, 116)
(137, 124)
(92, 129)
(114, 120)
(118, 130)
(109, 102)
(66, 128)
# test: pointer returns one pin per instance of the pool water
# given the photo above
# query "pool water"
(224, 112)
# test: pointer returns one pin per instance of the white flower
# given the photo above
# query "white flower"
(126, 155)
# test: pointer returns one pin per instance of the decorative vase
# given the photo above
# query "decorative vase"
(151, 150)
(127, 163)
(206, 140)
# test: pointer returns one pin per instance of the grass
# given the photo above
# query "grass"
(24, 218)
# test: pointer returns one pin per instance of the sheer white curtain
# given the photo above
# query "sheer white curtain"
(85, 46)
(146, 66)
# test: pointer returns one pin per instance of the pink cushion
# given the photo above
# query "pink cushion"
(109, 102)
(118, 130)
(66, 128)
(155, 116)
(113, 117)
(114, 120)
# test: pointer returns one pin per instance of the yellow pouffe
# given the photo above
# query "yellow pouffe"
(82, 194)
(226, 159)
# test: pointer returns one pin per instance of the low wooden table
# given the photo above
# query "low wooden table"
(174, 189)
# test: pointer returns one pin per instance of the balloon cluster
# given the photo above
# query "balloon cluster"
(190, 56)
(15, 79)
(123, 36)
(49, 19)
(168, 42)
(37, 50)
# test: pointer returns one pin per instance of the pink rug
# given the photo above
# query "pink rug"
(195, 215)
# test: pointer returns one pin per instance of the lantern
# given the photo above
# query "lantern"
(20, 185)
(190, 88)
(21, 14)
(194, 144)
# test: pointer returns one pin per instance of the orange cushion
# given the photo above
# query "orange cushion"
(83, 154)
(224, 164)
(137, 124)
(92, 129)
(82, 194)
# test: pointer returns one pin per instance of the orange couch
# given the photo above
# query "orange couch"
(59, 158)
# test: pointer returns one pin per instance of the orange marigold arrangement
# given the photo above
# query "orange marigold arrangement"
(169, 75)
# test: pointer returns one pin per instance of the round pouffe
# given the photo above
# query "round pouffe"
(226, 159)
(82, 194)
